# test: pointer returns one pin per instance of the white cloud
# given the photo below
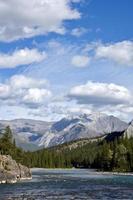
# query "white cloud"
(124, 112)
(21, 57)
(24, 19)
(36, 96)
(100, 94)
(22, 90)
(4, 91)
(23, 82)
(120, 52)
(36, 101)
(80, 61)
(78, 31)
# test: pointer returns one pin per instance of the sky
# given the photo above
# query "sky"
(66, 57)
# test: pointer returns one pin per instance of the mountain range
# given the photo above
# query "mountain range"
(33, 134)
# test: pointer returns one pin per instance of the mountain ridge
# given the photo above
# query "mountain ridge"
(35, 134)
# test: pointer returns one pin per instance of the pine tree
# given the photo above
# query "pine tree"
(7, 136)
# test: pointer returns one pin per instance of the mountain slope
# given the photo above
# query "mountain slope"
(31, 134)
(26, 131)
(84, 126)
(129, 131)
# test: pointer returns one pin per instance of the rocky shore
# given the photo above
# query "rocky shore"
(11, 171)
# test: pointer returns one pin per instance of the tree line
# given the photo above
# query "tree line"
(116, 155)
(8, 146)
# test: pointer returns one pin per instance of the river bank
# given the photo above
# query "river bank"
(11, 171)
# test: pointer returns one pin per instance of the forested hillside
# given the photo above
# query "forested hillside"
(8, 146)
(116, 155)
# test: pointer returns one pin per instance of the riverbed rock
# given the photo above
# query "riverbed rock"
(11, 171)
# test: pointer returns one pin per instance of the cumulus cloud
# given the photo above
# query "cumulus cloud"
(22, 90)
(21, 57)
(120, 52)
(80, 61)
(24, 19)
(33, 99)
(36, 96)
(100, 94)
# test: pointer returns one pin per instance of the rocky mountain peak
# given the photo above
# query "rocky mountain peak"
(32, 134)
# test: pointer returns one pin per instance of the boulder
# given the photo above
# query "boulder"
(11, 171)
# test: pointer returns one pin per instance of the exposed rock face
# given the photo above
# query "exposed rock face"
(129, 131)
(33, 135)
(83, 126)
(11, 171)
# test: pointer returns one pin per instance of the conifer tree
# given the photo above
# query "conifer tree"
(7, 136)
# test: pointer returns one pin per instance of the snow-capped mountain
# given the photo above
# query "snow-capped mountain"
(32, 134)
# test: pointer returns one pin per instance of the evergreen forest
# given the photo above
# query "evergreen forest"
(116, 155)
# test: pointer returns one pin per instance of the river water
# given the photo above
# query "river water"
(69, 184)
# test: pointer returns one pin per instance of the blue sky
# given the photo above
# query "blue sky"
(66, 57)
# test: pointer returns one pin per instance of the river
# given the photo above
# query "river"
(70, 184)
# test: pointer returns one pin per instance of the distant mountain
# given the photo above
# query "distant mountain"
(84, 126)
(26, 131)
(32, 134)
